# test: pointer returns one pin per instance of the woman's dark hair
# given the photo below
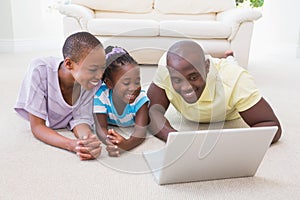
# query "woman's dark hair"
(79, 44)
(116, 57)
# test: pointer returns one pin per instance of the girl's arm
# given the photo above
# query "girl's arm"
(140, 128)
(101, 126)
(102, 132)
(138, 135)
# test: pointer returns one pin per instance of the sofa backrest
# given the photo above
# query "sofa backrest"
(128, 6)
(192, 6)
(161, 6)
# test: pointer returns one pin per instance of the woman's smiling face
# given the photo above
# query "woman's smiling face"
(89, 70)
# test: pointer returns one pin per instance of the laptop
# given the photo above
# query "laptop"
(210, 154)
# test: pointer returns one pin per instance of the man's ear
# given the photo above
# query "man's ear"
(68, 63)
(207, 64)
(108, 83)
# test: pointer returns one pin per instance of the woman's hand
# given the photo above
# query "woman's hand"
(88, 148)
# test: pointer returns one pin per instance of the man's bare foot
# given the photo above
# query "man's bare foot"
(228, 53)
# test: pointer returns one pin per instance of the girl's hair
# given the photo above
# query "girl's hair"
(116, 57)
(79, 44)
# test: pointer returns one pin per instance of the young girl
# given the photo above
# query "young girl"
(58, 93)
(121, 102)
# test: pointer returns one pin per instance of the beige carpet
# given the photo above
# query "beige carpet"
(33, 170)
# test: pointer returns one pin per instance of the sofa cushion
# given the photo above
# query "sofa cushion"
(154, 15)
(192, 6)
(130, 6)
(123, 27)
(194, 29)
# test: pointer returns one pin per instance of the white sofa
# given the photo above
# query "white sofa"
(146, 28)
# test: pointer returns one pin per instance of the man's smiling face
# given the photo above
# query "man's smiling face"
(186, 77)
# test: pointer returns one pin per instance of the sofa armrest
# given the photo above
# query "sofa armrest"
(236, 16)
(80, 13)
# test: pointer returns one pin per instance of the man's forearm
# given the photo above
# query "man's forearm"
(159, 125)
(161, 128)
(271, 123)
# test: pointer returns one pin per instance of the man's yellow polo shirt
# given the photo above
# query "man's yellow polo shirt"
(229, 90)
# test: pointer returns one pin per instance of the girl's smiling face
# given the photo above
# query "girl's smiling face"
(125, 83)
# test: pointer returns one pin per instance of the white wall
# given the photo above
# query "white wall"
(298, 48)
(6, 33)
(280, 23)
(6, 20)
(27, 25)
(32, 27)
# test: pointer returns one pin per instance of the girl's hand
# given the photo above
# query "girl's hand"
(114, 137)
(88, 148)
(114, 143)
(113, 150)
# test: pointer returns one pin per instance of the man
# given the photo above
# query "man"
(205, 90)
